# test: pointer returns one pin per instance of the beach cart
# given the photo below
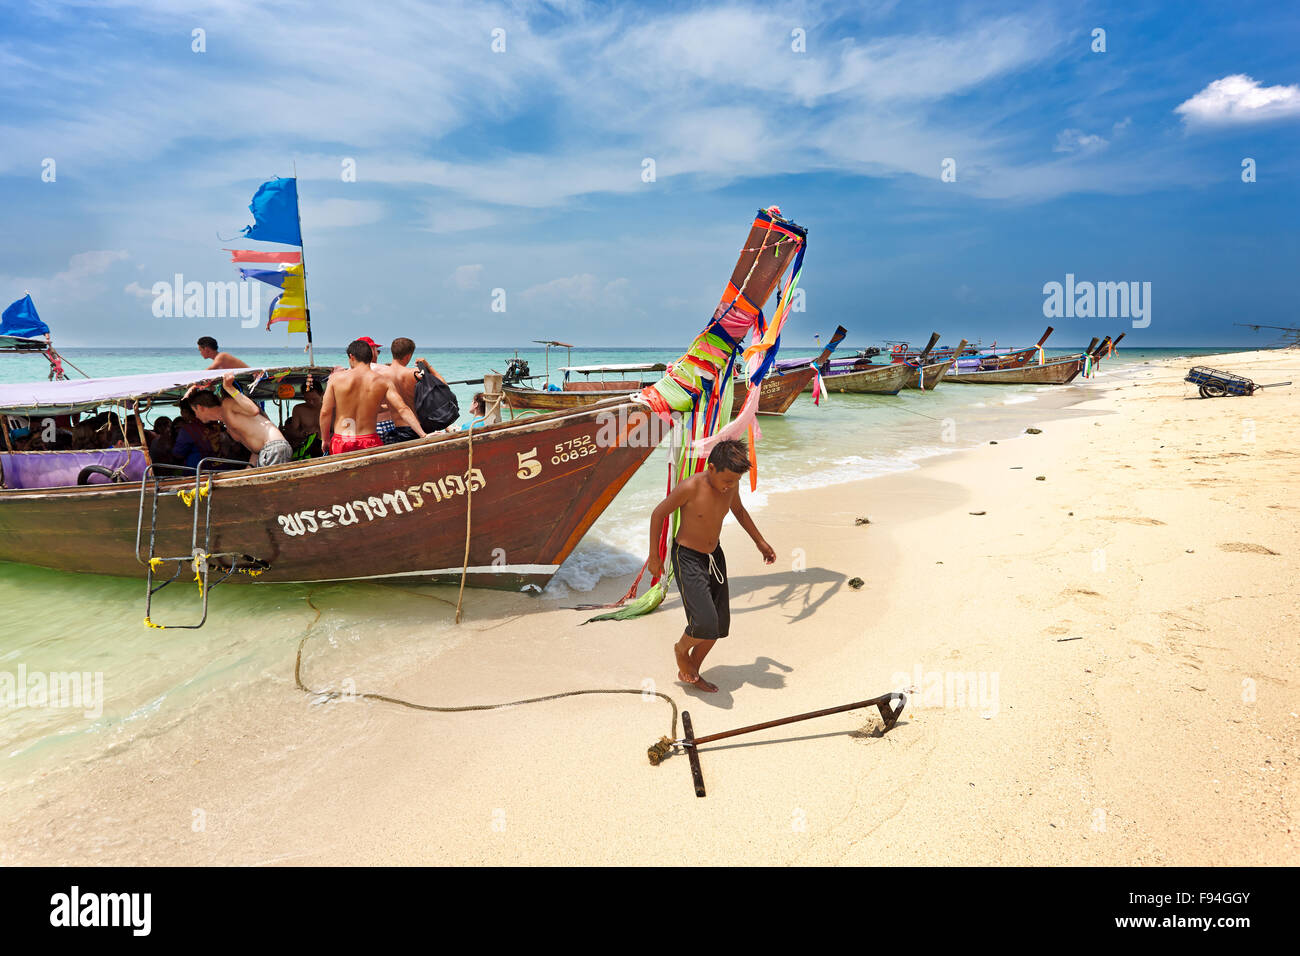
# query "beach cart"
(1215, 384)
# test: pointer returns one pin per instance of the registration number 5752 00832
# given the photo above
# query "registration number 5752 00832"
(572, 449)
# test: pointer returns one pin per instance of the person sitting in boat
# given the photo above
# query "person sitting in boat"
(477, 412)
(303, 427)
(352, 400)
(192, 444)
(402, 378)
(135, 427)
(244, 422)
(227, 446)
(208, 349)
(109, 429)
(160, 449)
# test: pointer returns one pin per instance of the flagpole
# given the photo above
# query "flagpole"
(306, 306)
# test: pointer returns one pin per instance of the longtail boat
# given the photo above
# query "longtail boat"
(863, 378)
(1053, 372)
(398, 512)
(927, 375)
(1056, 371)
(575, 394)
(780, 388)
(1013, 358)
(858, 375)
(787, 381)
(498, 506)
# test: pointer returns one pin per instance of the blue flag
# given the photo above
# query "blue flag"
(275, 213)
(270, 276)
(20, 320)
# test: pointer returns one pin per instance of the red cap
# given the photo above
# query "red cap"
(371, 342)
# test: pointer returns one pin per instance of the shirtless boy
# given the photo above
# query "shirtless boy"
(208, 349)
(352, 400)
(244, 421)
(698, 562)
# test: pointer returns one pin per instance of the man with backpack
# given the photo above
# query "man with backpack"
(423, 390)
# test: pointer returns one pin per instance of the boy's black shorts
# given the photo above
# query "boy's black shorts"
(702, 580)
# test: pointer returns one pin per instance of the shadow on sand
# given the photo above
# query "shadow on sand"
(801, 591)
(765, 673)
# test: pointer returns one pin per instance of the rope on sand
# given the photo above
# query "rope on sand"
(335, 694)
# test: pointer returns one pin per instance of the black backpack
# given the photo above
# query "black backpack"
(435, 405)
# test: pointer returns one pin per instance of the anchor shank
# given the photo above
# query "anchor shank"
(874, 702)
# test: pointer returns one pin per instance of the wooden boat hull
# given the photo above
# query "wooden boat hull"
(1057, 372)
(536, 399)
(397, 512)
(779, 391)
(929, 376)
(873, 380)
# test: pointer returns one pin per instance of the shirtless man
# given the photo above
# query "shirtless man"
(244, 422)
(304, 422)
(403, 379)
(698, 562)
(352, 399)
(208, 349)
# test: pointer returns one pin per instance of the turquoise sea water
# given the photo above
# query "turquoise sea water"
(54, 622)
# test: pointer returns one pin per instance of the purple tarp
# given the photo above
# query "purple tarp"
(55, 469)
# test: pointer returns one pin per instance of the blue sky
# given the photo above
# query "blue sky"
(522, 170)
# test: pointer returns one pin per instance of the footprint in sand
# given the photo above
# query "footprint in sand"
(1245, 547)
(1147, 521)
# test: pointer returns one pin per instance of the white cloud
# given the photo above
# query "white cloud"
(583, 292)
(86, 265)
(334, 213)
(139, 291)
(1076, 140)
(466, 277)
(1238, 100)
(445, 218)
(580, 288)
(653, 84)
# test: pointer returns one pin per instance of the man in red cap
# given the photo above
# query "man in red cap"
(374, 347)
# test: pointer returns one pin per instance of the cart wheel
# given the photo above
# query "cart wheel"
(1213, 390)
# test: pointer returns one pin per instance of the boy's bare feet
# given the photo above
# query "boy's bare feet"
(687, 672)
(685, 669)
(700, 683)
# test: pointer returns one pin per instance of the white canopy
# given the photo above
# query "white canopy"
(74, 395)
(633, 367)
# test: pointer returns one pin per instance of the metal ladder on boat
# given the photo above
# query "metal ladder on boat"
(200, 559)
